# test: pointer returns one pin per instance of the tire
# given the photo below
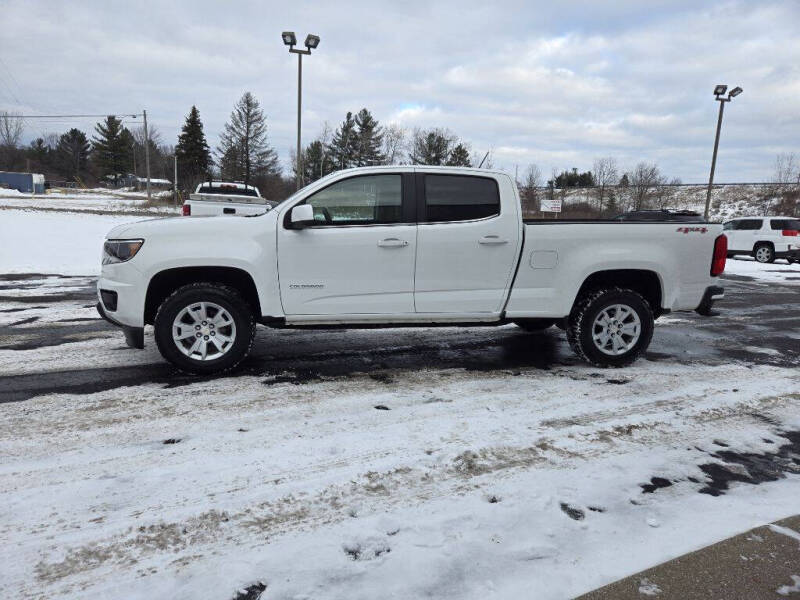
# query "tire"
(201, 305)
(582, 327)
(764, 253)
(534, 325)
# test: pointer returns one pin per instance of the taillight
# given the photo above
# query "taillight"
(720, 254)
(187, 210)
(790, 232)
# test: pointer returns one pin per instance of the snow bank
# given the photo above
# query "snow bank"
(778, 272)
(65, 243)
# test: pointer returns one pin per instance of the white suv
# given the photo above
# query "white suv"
(765, 238)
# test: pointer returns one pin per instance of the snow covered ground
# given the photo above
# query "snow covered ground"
(93, 200)
(33, 241)
(445, 463)
(777, 272)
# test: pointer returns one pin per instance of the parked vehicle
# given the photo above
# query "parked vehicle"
(403, 246)
(212, 198)
(764, 238)
(659, 215)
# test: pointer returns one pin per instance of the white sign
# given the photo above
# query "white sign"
(549, 205)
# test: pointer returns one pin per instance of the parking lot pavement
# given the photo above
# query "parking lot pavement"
(440, 462)
(762, 563)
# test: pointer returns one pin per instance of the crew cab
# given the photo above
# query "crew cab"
(403, 246)
(764, 238)
(212, 198)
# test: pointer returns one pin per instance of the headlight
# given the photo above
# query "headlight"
(117, 251)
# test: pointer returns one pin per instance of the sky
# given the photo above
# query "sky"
(555, 84)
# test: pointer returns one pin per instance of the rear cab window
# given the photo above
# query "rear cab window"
(449, 198)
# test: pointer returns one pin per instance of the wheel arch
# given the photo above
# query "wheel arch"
(646, 282)
(163, 283)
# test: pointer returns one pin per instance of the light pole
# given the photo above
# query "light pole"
(719, 93)
(312, 41)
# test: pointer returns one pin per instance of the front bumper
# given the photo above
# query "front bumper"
(134, 336)
(711, 295)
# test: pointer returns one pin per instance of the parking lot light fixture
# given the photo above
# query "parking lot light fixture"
(719, 93)
(312, 41)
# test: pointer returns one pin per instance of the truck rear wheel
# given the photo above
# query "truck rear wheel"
(610, 327)
(204, 328)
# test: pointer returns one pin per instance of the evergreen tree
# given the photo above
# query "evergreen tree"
(192, 152)
(230, 164)
(431, 147)
(316, 162)
(245, 140)
(111, 147)
(459, 157)
(624, 180)
(39, 153)
(72, 153)
(343, 149)
(370, 140)
(611, 208)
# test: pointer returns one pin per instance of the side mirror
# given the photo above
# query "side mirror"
(302, 216)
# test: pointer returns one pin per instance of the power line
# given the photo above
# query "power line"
(12, 116)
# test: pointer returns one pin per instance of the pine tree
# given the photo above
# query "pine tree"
(111, 147)
(72, 153)
(431, 147)
(245, 139)
(370, 140)
(316, 162)
(459, 157)
(192, 152)
(343, 148)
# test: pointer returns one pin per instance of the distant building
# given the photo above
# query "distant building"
(27, 183)
(140, 183)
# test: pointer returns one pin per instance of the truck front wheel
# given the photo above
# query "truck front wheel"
(610, 327)
(204, 328)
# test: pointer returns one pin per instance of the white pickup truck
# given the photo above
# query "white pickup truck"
(212, 198)
(403, 246)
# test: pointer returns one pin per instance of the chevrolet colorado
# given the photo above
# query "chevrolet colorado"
(403, 246)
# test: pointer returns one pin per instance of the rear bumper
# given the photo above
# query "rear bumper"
(711, 295)
(134, 336)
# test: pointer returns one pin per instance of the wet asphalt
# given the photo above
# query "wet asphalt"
(756, 323)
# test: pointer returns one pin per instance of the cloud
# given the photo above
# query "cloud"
(558, 84)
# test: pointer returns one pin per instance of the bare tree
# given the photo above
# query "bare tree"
(529, 189)
(10, 129)
(394, 143)
(786, 173)
(605, 175)
(644, 178)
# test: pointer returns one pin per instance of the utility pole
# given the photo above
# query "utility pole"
(175, 177)
(146, 153)
(719, 92)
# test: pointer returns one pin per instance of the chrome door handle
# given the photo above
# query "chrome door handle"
(492, 240)
(392, 243)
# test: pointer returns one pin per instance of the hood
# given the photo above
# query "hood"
(181, 226)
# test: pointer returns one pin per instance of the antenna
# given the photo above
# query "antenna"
(485, 156)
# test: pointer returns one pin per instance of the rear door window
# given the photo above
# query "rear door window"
(459, 198)
(749, 224)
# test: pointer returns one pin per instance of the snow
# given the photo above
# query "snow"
(455, 492)
(785, 590)
(45, 242)
(99, 200)
(777, 272)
